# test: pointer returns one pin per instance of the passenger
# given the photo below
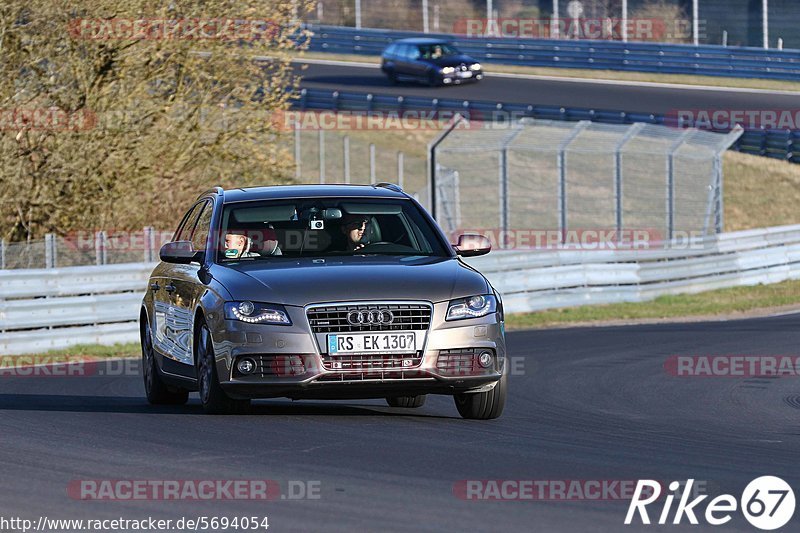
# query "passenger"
(238, 245)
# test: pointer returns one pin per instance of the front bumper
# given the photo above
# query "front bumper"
(458, 77)
(292, 362)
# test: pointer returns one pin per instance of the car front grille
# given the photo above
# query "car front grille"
(333, 319)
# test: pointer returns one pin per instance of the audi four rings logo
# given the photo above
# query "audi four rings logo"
(357, 318)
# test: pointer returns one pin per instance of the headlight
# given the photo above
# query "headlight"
(448, 70)
(475, 66)
(473, 307)
(257, 313)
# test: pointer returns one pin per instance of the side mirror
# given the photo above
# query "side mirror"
(181, 252)
(470, 245)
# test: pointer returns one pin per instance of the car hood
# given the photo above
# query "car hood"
(453, 61)
(304, 281)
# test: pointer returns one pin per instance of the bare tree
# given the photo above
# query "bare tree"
(115, 114)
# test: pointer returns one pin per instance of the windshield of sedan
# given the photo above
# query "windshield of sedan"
(437, 51)
(322, 227)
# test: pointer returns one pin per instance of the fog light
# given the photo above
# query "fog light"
(485, 359)
(246, 366)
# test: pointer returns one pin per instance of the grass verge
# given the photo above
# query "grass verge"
(733, 302)
(73, 353)
(613, 75)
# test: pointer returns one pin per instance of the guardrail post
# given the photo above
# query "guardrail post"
(2, 254)
(335, 100)
(346, 158)
(50, 250)
(303, 98)
(562, 176)
(369, 102)
(719, 219)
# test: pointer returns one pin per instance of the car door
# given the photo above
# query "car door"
(188, 288)
(169, 334)
(417, 67)
(162, 319)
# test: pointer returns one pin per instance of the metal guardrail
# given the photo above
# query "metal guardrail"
(777, 144)
(54, 308)
(708, 60)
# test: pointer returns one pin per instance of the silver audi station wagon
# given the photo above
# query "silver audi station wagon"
(321, 292)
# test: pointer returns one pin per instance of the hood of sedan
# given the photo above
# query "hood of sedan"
(453, 61)
(300, 282)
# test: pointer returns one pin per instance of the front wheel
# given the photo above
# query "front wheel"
(214, 399)
(483, 405)
(158, 392)
(411, 402)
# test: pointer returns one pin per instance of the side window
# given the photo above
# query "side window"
(403, 51)
(413, 52)
(390, 52)
(184, 233)
(201, 230)
(184, 221)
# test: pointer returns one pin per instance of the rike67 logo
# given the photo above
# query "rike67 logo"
(767, 503)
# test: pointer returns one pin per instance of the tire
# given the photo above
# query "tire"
(433, 79)
(214, 399)
(392, 75)
(411, 402)
(158, 392)
(483, 405)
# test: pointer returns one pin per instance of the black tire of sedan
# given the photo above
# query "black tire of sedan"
(411, 402)
(483, 405)
(433, 79)
(214, 399)
(158, 392)
(392, 75)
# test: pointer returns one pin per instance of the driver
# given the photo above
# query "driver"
(354, 227)
(238, 245)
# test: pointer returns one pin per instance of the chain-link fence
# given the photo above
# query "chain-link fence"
(730, 22)
(84, 248)
(557, 177)
(362, 157)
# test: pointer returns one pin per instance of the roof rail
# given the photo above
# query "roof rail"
(391, 186)
(216, 190)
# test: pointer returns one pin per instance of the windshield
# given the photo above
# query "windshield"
(323, 227)
(437, 51)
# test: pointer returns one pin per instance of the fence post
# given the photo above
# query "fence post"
(297, 153)
(50, 251)
(630, 134)
(100, 253)
(2, 254)
(671, 181)
(400, 165)
(505, 201)
(720, 216)
(147, 239)
(562, 176)
(321, 155)
(346, 158)
(432, 161)
(372, 179)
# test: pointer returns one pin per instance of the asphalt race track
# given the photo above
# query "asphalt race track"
(575, 93)
(584, 404)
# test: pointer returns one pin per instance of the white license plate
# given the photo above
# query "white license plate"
(465, 74)
(395, 342)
